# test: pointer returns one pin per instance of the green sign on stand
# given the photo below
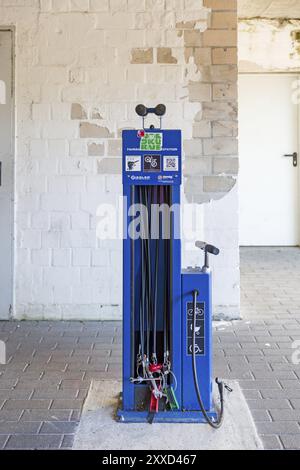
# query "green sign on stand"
(152, 141)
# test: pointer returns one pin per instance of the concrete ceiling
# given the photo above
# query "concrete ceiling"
(269, 8)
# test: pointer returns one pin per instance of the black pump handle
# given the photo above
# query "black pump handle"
(213, 250)
(207, 248)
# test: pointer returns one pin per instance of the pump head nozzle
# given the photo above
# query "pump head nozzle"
(207, 248)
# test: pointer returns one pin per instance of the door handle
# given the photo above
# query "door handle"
(294, 156)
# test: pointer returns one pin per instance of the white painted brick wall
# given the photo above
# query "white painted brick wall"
(79, 51)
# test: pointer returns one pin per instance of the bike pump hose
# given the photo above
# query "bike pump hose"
(218, 422)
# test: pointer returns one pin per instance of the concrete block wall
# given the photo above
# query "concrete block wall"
(214, 137)
(81, 68)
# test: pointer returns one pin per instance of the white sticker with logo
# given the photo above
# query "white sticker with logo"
(133, 163)
(171, 163)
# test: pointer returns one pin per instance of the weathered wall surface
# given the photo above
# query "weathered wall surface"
(81, 67)
(267, 45)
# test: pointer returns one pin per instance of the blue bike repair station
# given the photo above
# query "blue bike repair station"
(167, 310)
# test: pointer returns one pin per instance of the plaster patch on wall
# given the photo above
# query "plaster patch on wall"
(96, 113)
(268, 45)
(93, 130)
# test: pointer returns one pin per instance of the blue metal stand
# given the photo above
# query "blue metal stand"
(152, 159)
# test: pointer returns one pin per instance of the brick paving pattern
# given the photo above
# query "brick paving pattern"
(51, 364)
(50, 367)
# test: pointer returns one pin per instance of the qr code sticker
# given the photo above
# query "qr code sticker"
(171, 164)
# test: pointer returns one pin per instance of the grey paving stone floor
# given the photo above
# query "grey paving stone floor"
(51, 364)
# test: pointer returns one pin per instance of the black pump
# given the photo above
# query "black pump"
(207, 248)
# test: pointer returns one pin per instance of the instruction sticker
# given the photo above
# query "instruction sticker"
(200, 329)
(152, 163)
(133, 163)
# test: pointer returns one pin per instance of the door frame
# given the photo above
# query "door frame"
(297, 77)
(12, 30)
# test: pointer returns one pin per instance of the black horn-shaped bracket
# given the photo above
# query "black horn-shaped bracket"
(143, 111)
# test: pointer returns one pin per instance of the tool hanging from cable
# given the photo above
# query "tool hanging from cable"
(152, 253)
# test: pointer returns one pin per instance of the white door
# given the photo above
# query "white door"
(268, 181)
(6, 173)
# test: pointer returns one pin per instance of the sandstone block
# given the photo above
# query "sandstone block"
(77, 111)
(164, 56)
(142, 56)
